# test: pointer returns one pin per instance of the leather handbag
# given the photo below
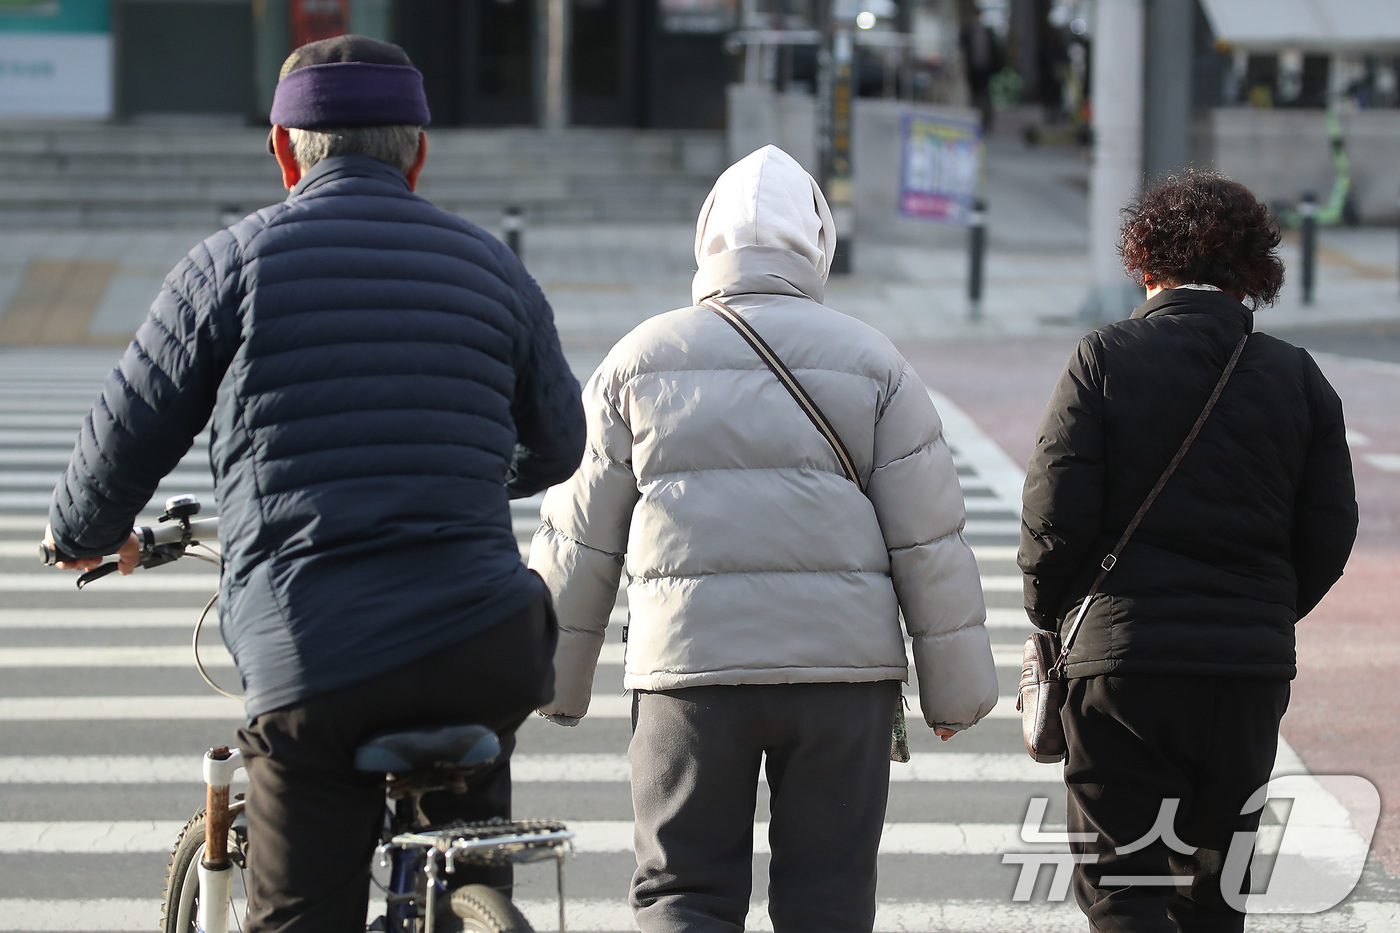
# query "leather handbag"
(1040, 698)
(1043, 687)
(899, 741)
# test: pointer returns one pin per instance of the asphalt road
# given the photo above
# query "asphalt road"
(1378, 341)
(103, 720)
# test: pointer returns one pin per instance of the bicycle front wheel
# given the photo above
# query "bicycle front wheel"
(179, 912)
(477, 908)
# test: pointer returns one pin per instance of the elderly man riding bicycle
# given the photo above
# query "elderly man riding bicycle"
(382, 377)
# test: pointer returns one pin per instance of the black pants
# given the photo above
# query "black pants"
(696, 755)
(313, 820)
(1137, 741)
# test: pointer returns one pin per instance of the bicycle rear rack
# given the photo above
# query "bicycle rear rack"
(494, 842)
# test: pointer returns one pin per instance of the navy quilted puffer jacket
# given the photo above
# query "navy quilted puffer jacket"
(382, 376)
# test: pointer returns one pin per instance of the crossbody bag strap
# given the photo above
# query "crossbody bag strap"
(804, 401)
(1112, 559)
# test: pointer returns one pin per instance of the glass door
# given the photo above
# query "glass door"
(498, 58)
(604, 63)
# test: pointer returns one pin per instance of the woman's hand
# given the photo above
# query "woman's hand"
(559, 720)
(945, 734)
(128, 556)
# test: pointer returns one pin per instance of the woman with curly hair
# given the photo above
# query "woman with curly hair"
(1180, 670)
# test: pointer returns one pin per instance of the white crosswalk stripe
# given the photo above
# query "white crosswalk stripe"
(78, 837)
(954, 915)
(31, 526)
(109, 656)
(93, 684)
(44, 479)
(180, 656)
(46, 457)
(590, 915)
(590, 768)
(55, 619)
(155, 582)
(165, 708)
(180, 618)
(209, 707)
(56, 437)
(591, 837)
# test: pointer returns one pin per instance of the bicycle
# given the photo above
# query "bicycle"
(420, 857)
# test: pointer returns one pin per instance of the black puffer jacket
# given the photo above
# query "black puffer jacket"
(381, 375)
(1248, 535)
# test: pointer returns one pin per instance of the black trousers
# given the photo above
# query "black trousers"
(313, 820)
(696, 755)
(1135, 742)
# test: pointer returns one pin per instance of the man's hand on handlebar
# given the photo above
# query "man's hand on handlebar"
(127, 557)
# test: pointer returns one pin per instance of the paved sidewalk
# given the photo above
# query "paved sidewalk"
(67, 287)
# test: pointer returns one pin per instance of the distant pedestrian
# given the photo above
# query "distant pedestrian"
(982, 57)
(764, 585)
(1053, 66)
(1180, 672)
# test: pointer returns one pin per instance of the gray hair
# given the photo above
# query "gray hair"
(396, 145)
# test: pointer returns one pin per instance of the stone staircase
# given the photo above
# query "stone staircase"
(93, 175)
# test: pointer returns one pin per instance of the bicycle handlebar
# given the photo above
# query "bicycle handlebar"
(51, 555)
(200, 529)
(159, 544)
(150, 537)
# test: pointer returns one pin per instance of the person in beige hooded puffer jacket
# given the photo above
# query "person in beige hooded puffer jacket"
(764, 588)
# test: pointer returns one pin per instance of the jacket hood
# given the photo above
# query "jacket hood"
(767, 199)
(757, 270)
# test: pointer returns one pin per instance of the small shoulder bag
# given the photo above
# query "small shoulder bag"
(1043, 686)
(899, 744)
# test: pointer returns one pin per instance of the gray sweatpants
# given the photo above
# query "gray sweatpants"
(695, 756)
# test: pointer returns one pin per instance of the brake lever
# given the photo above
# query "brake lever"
(97, 573)
(161, 554)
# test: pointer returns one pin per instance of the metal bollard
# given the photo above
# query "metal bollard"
(844, 217)
(976, 254)
(513, 222)
(1307, 210)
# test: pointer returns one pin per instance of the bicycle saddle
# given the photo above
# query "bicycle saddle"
(452, 746)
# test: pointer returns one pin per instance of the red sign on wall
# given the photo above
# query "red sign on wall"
(319, 19)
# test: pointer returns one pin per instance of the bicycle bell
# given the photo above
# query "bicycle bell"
(179, 508)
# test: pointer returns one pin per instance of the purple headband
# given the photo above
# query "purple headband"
(350, 94)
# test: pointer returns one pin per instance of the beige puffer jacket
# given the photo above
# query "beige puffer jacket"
(750, 558)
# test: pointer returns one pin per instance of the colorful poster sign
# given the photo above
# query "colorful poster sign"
(942, 168)
(55, 58)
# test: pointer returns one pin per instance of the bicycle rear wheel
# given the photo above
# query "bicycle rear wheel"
(180, 908)
(477, 908)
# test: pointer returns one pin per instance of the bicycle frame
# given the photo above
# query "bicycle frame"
(419, 851)
(215, 868)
